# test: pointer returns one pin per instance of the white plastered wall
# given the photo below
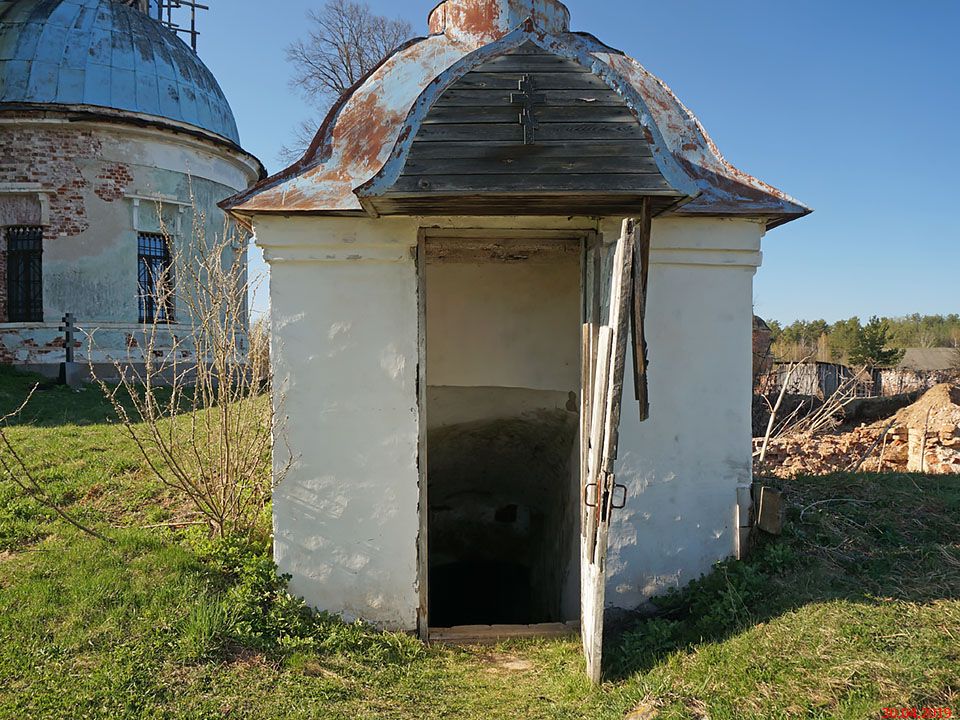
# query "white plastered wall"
(345, 331)
(505, 324)
(688, 468)
(502, 338)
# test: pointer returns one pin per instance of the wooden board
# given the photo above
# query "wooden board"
(474, 146)
(583, 203)
(641, 268)
(539, 182)
(500, 250)
(592, 572)
(469, 96)
(540, 165)
(570, 235)
(621, 296)
(502, 149)
(493, 634)
(572, 132)
(546, 80)
(507, 113)
(423, 565)
(601, 448)
(770, 511)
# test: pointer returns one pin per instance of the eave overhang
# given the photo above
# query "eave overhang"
(91, 113)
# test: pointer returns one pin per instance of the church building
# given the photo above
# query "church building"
(115, 141)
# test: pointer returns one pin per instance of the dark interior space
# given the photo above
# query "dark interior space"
(499, 523)
(480, 593)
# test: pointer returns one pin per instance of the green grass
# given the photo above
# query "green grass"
(85, 461)
(856, 608)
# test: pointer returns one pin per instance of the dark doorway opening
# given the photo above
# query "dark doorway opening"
(502, 357)
(481, 593)
(500, 519)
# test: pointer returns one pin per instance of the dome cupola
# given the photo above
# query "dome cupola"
(90, 54)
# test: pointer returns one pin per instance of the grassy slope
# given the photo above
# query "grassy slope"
(856, 609)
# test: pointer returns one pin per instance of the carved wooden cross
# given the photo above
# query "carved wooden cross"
(528, 99)
(68, 329)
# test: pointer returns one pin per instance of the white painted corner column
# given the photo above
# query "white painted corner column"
(343, 295)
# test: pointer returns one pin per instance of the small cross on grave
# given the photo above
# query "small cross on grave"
(527, 98)
(68, 328)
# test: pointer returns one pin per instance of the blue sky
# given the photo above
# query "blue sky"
(851, 107)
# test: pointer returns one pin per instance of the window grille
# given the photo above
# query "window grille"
(155, 278)
(25, 274)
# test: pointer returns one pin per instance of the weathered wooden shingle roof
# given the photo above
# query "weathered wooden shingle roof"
(365, 141)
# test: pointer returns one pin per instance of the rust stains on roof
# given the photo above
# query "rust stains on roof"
(368, 132)
(477, 19)
(484, 21)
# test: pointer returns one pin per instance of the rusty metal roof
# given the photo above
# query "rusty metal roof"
(362, 145)
(103, 54)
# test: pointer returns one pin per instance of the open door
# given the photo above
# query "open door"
(614, 295)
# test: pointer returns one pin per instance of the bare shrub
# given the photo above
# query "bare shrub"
(260, 345)
(191, 394)
(809, 420)
(774, 409)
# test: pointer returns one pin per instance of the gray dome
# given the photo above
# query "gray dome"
(104, 54)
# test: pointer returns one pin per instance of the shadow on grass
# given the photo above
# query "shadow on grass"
(55, 405)
(863, 538)
(219, 599)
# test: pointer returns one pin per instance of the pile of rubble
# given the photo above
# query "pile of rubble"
(931, 429)
(923, 437)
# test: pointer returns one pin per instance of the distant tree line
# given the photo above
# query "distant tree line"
(878, 342)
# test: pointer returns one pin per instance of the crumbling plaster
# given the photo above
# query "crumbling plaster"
(100, 184)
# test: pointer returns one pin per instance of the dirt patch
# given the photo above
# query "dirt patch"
(505, 662)
(245, 657)
(643, 711)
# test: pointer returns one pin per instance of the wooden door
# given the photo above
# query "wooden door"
(611, 283)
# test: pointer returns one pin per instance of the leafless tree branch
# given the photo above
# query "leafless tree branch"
(345, 41)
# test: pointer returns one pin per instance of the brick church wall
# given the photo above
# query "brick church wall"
(52, 157)
(92, 186)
